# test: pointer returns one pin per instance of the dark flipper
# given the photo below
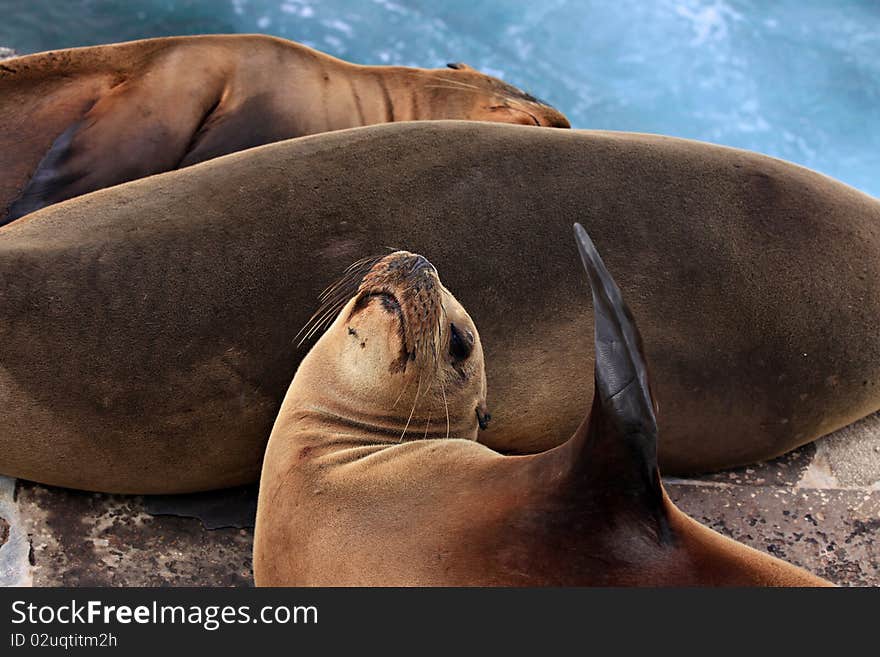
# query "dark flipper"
(617, 447)
(130, 132)
(48, 179)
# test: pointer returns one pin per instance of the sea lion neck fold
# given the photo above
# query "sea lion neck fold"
(400, 93)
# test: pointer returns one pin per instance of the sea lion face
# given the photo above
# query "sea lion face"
(403, 350)
(485, 98)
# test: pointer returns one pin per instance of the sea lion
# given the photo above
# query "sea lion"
(148, 331)
(73, 121)
(353, 493)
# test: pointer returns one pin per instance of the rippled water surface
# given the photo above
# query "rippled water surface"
(798, 79)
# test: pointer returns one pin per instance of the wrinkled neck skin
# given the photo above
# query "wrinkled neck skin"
(369, 95)
(358, 95)
(321, 410)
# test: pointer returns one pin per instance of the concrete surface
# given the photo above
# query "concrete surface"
(15, 547)
(817, 507)
(91, 539)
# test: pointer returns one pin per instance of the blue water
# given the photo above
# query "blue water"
(797, 79)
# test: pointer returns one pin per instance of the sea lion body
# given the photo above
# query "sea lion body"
(74, 121)
(148, 332)
(345, 502)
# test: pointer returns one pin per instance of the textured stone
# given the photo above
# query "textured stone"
(90, 539)
(15, 567)
(829, 532)
(786, 470)
(849, 458)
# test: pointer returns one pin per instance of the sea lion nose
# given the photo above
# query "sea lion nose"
(557, 120)
(419, 263)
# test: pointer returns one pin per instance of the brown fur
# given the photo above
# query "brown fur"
(147, 332)
(344, 504)
(74, 121)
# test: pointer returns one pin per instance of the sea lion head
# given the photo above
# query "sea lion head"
(460, 90)
(402, 357)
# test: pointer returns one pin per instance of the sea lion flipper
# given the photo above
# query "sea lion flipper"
(46, 178)
(620, 359)
(620, 438)
(128, 133)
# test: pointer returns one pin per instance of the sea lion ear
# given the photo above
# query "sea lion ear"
(483, 415)
(622, 431)
(459, 66)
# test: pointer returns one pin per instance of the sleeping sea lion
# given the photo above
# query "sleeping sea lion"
(73, 121)
(354, 492)
(148, 331)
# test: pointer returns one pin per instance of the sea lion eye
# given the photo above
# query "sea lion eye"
(461, 342)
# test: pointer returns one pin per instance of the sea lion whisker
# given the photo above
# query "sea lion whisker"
(442, 320)
(340, 297)
(344, 282)
(463, 86)
(322, 317)
(459, 83)
(315, 319)
(355, 271)
(427, 424)
(364, 263)
(324, 322)
(445, 406)
(412, 412)
(311, 326)
(400, 396)
(327, 318)
(333, 297)
(356, 267)
(329, 313)
(443, 86)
